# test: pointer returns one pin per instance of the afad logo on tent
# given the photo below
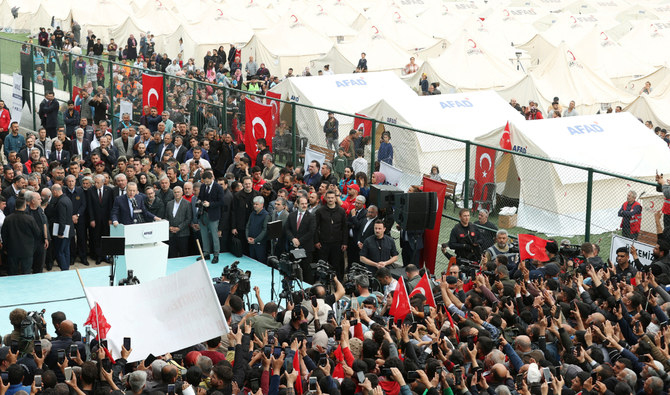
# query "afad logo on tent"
(585, 128)
(360, 81)
(572, 60)
(472, 49)
(456, 103)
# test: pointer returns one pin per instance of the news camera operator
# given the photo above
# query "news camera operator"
(590, 257)
(465, 239)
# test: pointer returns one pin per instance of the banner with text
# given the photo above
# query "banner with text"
(17, 98)
(177, 311)
(644, 251)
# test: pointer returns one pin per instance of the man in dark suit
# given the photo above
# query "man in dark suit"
(367, 228)
(225, 221)
(59, 154)
(162, 147)
(48, 113)
(78, 199)
(280, 213)
(63, 229)
(355, 220)
(100, 201)
(121, 182)
(299, 230)
(178, 213)
(179, 149)
(211, 196)
(21, 237)
(81, 147)
(130, 209)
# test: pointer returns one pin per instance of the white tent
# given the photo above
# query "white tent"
(645, 40)
(100, 19)
(634, 86)
(553, 197)
(382, 54)
(607, 58)
(515, 24)
(256, 15)
(467, 66)
(346, 11)
(347, 93)
(567, 77)
(442, 20)
(654, 109)
(464, 116)
(538, 48)
(320, 18)
(572, 27)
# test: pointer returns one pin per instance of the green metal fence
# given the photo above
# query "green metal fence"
(585, 206)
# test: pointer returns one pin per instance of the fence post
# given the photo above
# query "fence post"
(194, 100)
(224, 118)
(165, 80)
(112, 100)
(589, 199)
(466, 182)
(32, 79)
(373, 136)
(294, 134)
(70, 72)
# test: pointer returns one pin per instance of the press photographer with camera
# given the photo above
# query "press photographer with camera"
(465, 239)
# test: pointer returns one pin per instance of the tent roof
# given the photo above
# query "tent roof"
(515, 24)
(320, 18)
(572, 27)
(651, 109)
(219, 27)
(645, 39)
(400, 28)
(291, 37)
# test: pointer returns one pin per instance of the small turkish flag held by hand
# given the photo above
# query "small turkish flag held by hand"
(506, 139)
(76, 98)
(152, 91)
(259, 125)
(423, 287)
(532, 247)
(98, 322)
(400, 304)
(363, 124)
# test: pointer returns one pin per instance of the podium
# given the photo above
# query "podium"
(145, 253)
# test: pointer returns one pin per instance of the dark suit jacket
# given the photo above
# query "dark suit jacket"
(78, 199)
(225, 222)
(63, 215)
(86, 146)
(49, 113)
(183, 217)
(215, 199)
(99, 211)
(181, 153)
(121, 210)
(115, 194)
(64, 157)
(306, 232)
(159, 149)
(370, 231)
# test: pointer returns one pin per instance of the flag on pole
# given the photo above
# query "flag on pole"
(532, 247)
(296, 367)
(152, 91)
(506, 139)
(98, 322)
(400, 304)
(423, 287)
(259, 125)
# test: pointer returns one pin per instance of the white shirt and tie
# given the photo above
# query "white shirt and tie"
(299, 220)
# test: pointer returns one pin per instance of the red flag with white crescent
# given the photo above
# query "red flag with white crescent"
(274, 104)
(76, 98)
(400, 304)
(423, 287)
(152, 91)
(258, 119)
(484, 169)
(532, 247)
(506, 139)
(361, 122)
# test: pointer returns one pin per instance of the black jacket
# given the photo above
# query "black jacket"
(215, 199)
(242, 208)
(331, 225)
(20, 234)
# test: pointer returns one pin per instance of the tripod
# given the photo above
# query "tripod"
(289, 283)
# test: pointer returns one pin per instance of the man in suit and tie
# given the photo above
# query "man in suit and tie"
(367, 228)
(356, 219)
(211, 196)
(78, 199)
(100, 201)
(48, 113)
(180, 150)
(62, 227)
(299, 230)
(165, 145)
(178, 213)
(225, 222)
(130, 209)
(121, 182)
(81, 147)
(59, 154)
(123, 144)
(280, 213)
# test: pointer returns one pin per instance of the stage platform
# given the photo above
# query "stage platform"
(61, 291)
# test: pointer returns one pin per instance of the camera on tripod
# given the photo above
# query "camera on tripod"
(324, 273)
(237, 276)
(288, 264)
(130, 280)
(357, 270)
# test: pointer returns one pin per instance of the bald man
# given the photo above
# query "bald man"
(63, 342)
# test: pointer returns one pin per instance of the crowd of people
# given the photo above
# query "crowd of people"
(498, 324)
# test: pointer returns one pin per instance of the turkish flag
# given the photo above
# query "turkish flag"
(506, 139)
(361, 122)
(532, 247)
(296, 367)
(431, 237)
(152, 91)
(76, 98)
(423, 287)
(400, 304)
(258, 125)
(484, 169)
(275, 105)
(98, 322)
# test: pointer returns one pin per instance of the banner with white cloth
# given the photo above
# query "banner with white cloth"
(162, 315)
(17, 98)
(311, 155)
(644, 251)
(393, 174)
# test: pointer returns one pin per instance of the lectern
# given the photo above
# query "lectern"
(145, 253)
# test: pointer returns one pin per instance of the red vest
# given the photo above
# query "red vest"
(666, 207)
(636, 220)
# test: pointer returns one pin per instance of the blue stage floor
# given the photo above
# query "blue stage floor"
(34, 291)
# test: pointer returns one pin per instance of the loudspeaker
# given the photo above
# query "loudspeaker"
(416, 211)
(383, 196)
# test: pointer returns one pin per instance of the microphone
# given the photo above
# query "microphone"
(138, 218)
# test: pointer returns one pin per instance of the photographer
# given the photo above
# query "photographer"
(329, 298)
(590, 257)
(465, 238)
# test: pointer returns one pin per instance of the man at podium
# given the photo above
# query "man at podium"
(130, 209)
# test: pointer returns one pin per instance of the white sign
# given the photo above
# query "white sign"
(311, 155)
(126, 107)
(644, 251)
(162, 315)
(17, 98)
(393, 174)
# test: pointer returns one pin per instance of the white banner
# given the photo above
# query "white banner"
(311, 155)
(393, 174)
(163, 315)
(17, 99)
(126, 107)
(644, 251)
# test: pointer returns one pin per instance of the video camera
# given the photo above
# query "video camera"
(571, 253)
(324, 273)
(130, 280)
(288, 264)
(237, 276)
(33, 327)
(357, 270)
(200, 209)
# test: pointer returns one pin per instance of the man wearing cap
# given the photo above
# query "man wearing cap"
(352, 194)
(330, 129)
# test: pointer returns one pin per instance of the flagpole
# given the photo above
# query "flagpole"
(97, 332)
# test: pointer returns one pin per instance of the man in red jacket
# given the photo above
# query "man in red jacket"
(5, 118)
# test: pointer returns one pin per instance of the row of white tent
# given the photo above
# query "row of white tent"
(552, 197)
